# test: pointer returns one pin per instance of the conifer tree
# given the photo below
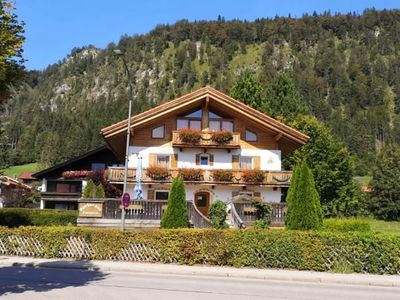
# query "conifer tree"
(175, 215)
(304, 208)
(88, 190)
(248, 89)
(99, 192)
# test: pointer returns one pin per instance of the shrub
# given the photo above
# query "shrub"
(222, 137)
(304, 207)
(218, 214)
(157, 172)
(99, 192)
(263, 214)
(222, 175)
(88, 191)
(98, 177)
(279, 249)
(191, 174)
(189, 136)
(346, 225)
(14, 217)
(253, 176)
(175, 215)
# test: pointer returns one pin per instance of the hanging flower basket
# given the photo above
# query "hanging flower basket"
(222, 137)
(253, 176)
(157, 172)
(76, 174)
(222, 175)
(191, 174)
(189, 136)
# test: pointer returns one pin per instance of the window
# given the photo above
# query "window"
(98, 166)
(162, 195)
(215, 125)
(212, 115)
(227, 125)
(195, 114)
(181, 123)
(194, 124)
(158, 133)
(163, 160)
(250, 136)
(246, 162)
(204, 160)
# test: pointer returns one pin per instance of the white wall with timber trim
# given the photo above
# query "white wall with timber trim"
(224, 193)
(270, 160)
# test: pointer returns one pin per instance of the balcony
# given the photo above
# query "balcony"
(205, 141)
(207, 177)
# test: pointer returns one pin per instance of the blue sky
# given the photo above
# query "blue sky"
(54, 27)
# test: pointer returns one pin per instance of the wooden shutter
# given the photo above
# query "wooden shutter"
(211, 159)
(150, 194)
(152, 159)
(174, 160)
(197, 159)
(235, 162)
(256, 162)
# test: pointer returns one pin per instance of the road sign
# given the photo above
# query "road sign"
(126, 200)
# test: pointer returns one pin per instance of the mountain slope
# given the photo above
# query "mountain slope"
(346, 67)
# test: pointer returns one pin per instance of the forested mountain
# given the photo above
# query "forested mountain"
(346, 69)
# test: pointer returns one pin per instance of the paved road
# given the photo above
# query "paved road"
(40, 283)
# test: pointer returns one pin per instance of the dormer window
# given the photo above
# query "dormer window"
(158, 132)
(250, 136)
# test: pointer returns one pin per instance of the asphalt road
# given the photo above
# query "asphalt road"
(40, 283)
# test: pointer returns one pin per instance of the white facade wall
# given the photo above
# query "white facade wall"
(270, 160)
(224, 193)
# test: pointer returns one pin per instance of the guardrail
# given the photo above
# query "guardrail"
(206, 141)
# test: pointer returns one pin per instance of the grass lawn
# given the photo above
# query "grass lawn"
(15, 171)
(383, 226)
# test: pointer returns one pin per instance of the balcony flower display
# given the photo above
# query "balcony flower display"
(191, 174)
(189, 136)
(253, 176)
(157, 172)
(76, 174)
(222, 137)
(222, 175)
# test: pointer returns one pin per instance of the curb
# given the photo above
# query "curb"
(208, 271)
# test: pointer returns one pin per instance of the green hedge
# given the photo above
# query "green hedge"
(302, 250)
(14, 217)
(346, 225)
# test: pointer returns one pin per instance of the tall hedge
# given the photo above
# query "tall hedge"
(15, 217)
(175, 215)
(288, 249)
(304, 207)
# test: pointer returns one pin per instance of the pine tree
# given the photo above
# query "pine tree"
(248, 89)
(175, 215)
(283, 99)
(304, 208)
(385, 195)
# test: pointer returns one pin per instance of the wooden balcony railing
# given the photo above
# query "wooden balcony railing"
(271, 178)
(247, 213)
(206, 141)
(139, 209)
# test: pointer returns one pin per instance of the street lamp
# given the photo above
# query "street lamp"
(119, 53)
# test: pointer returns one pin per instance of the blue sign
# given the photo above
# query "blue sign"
(126, 200)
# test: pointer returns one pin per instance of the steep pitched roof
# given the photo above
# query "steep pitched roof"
(214, 95)
(8, 181)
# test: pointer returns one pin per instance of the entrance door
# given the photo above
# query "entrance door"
(202, 202)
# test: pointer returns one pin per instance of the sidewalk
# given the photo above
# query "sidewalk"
(210, 271)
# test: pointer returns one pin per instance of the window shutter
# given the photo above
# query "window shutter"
(174, 160)
(256, 162)
(152, 159)
(197, 159)
(211, 159)
(235, 161)
(150, 194)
